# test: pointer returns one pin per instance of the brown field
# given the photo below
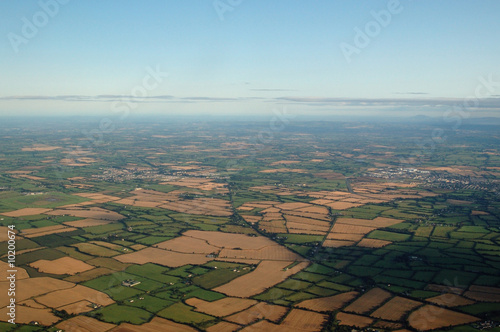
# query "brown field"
(293, 206)
(25, 212)
(458, 202)
(33, 304)
(89, 275)
(31, 287)
(91, 213)
(274, 252)
(266, 275)
(430, 317)
(309, 215)
(330, 303)
(337, 243)
(25, 315)
(395, 309)
(95, 250)
(163, 257)
(223, 327)
(342, 205)
(188, 244)
(4, 233)
(259, 311)
(302, 320)
(40, 147)
(298, 225)
(388, 325)
(477, 213)
(20, 274)
(483, 294)
(87, 223)
(371, 299)
(345, 237)
(378, 222)
(77, 293)
(227, 240)
(77, 307)
(64, 265)
(201, 206)
(274, 226)
(373, 243)
(308, 221)
(155, 325)
(353, 320)
(222, 307)
(351, 229)
(35, 232)
(107, 245)
(84, 324)
(444, 289)
(450, 300)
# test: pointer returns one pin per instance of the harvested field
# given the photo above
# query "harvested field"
(25, 212)
(201, 206)
(305, 231)
(4, 233)
(275, 252)
(35, 232)
(378, 222)
(188, 244)
(89, 275)
(155, 325)
(450, 300)
(430, 317)
(302, 320)
(266, 275)
(223, 327)
(222, 307)
(162, 257)
(77, 307)
(25, 315)
(20, 274)
(330, 303)
(444, 289)
(483, 294)
(77, 293)
(353, 320)
(307, 221)
(84, 324)
(342, 205)
(64, 265)
(259, 311)
(293, 206)
(368, 301)
(373, 243)
(351, 229)
(32, 303)
(337, 243)
(87, 223)
(395, 309)
(91, 213)
(228, 240)
(345, 237)
(40, 147)
(32, 287)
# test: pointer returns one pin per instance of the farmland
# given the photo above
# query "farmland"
(200, 227)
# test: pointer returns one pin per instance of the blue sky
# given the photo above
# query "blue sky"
(249, 56)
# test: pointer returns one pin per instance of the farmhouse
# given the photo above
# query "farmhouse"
(130, 283)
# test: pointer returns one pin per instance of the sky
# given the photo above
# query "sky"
(250, 57)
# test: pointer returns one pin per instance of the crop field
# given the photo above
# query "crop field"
(315, 231)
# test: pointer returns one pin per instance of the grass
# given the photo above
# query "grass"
(117, 313)
(218, 277)
(181, 313)
(388, 236)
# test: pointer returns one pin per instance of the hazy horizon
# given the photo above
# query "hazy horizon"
(238, 58)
